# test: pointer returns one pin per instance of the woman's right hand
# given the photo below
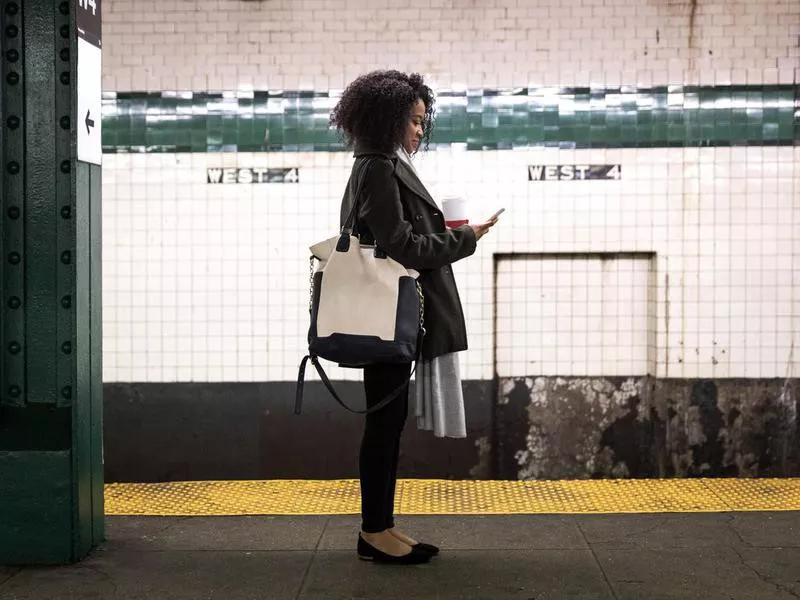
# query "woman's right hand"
(483, 228)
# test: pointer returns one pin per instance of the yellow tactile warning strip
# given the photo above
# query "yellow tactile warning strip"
(442, 497)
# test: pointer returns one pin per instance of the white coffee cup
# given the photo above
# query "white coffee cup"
(455, 211)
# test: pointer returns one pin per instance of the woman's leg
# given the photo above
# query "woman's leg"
(380, 447)
(389, 504)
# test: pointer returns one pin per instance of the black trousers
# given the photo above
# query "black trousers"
(380, 446)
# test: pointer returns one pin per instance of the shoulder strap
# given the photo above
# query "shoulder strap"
(351, 223)
(298, 401)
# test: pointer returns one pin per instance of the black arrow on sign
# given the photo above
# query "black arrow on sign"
(89, 122)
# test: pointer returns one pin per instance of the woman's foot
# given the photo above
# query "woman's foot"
(429, 548)
(387, 543)
(402, 536)
(368, 551)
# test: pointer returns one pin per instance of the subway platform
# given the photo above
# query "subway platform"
(534, 540)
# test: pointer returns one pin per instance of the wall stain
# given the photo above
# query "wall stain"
(623, 427)
(676, 11)
(692, 17)
(483, 468)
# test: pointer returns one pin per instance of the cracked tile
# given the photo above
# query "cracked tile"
(779, 567)
(257, 533)
(461, 575)
(712, 573)
(7, 573)
(689, 530)
(768, 530)
(134, 575)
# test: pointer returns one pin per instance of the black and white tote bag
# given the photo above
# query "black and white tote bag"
(365, 307)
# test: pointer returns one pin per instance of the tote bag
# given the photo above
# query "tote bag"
(365, 307)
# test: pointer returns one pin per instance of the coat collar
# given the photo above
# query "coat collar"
(359, 151)
(402, 170)
(409, 178)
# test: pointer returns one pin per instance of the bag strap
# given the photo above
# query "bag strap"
(298, 402)
(301, 380)
(351, 222)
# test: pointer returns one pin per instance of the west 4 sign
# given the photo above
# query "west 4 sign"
(88, 25)
(573, 172)
(253, 175)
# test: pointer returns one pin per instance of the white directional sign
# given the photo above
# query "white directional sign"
(89, 117)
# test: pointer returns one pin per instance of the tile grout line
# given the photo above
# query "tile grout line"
(597, 561)
(11, 576)
(727, 507)
(303, 581)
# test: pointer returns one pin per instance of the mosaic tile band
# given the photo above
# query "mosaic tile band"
(624, 117)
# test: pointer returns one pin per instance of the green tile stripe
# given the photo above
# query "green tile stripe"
(625, 117)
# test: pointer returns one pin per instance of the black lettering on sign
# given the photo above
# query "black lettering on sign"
(88, 21)
(253, 175)
(573, 172)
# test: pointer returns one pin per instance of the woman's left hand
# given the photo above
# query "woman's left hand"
(483, 228)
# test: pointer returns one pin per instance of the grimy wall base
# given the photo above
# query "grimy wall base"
(51, 459)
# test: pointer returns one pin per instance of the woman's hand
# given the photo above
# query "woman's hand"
(483, 228)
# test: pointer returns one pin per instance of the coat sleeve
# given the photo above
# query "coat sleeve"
(382, 212)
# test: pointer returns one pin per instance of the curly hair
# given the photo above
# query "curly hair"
(375, 108)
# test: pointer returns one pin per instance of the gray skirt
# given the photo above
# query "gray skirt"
(438, 402)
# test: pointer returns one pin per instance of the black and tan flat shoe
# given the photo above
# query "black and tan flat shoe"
(367, 551)
(429, 548)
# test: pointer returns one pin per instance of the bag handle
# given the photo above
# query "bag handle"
(351, 222)
(298, 401)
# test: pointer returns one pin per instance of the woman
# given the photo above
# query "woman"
(385, 116)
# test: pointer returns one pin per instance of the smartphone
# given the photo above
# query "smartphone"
(495, 215)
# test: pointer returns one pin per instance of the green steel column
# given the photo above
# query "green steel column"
(51, 465)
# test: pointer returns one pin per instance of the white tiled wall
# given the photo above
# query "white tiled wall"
(321, 44)
(209, 282)
(575, 315)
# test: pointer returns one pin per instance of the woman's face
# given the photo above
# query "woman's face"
(413, 136)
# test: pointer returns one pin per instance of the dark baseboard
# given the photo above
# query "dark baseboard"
(548, 428)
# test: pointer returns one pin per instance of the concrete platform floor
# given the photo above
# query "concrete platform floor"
(753, 556)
